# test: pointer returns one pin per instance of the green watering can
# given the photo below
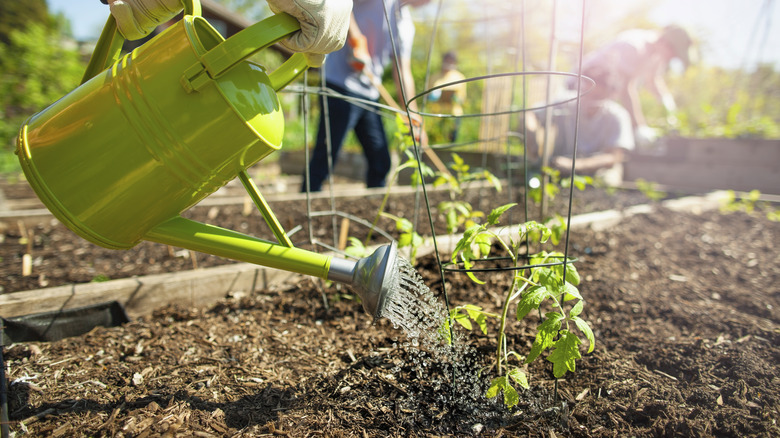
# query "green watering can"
(147, 136)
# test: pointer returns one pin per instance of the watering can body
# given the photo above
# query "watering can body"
(148, 135)
(133, 146)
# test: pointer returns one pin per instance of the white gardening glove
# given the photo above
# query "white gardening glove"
(138, 18)
(324, 25)
(645, 136)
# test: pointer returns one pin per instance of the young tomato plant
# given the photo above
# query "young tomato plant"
(649, 189)
(748, 204)
(457, 212)
(548, 283)
(555, 183)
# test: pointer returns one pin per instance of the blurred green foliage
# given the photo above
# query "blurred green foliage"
(16, 14)
(37, 67)
(714, 102)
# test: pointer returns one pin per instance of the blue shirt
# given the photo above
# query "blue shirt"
(373, 22)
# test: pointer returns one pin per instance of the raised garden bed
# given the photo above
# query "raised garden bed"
(710, 164)
(683, 306)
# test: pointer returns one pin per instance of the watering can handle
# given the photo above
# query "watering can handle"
(109, 45)
(251, 40)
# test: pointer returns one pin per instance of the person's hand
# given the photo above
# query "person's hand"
(561, 164)
(416, 129)
(359, 58)
(138, 18)
(645, 136)
(324, 25)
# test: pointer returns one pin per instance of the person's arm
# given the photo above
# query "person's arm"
(590, 164)
(360, 58)
(405, 88)
(630, 97)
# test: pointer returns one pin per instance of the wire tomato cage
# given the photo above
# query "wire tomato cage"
(506, 45)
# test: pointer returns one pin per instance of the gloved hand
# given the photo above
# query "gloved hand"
(324, 25)
(359, 58)
(138, 18)
(645, 136)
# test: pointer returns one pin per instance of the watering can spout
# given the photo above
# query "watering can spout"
(372, 277)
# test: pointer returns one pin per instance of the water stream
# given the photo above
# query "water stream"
(450, 369)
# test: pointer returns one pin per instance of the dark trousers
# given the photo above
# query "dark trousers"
(343, 117)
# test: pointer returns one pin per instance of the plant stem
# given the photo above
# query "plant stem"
(505, 310)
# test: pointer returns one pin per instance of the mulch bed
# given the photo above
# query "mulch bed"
(683, 307)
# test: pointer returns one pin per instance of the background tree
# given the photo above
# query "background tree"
(15, 14)
(38, 65)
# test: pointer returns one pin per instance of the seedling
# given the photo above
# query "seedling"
(555, 184)
(650, 189)
(457, 212)
(408, 237)
(547, 282)
(748, 204)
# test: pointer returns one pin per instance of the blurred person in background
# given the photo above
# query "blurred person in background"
(448, 99)
(637, 58)
(355, 71)
(604, 133)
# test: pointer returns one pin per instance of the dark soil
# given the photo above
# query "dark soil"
(683, 306)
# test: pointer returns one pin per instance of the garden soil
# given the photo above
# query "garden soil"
(683, 307)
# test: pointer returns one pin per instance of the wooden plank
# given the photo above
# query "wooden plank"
(140, 296)
(707, 176)
(746, 152)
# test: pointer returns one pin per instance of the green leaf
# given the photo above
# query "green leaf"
(557, 230)
(547, 278)
(483, 242)
(495, 215)
(585, 329)
(457, 159)
(481, 321)
(467, 264)
(544, 337)
(577, 309)
(452, 221)
(493, 180)
(410, 163)
(356, 248)
(440, 180)
(572, 276)
(417, 240)
(570, 292)
(476, 314)
(565, 353)
(538, 231)
(462, 319)
(501, 383)
(519, 377)
(531, 300)
(465, 242)
(404, 225)
(495, 386)
(511, 398)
